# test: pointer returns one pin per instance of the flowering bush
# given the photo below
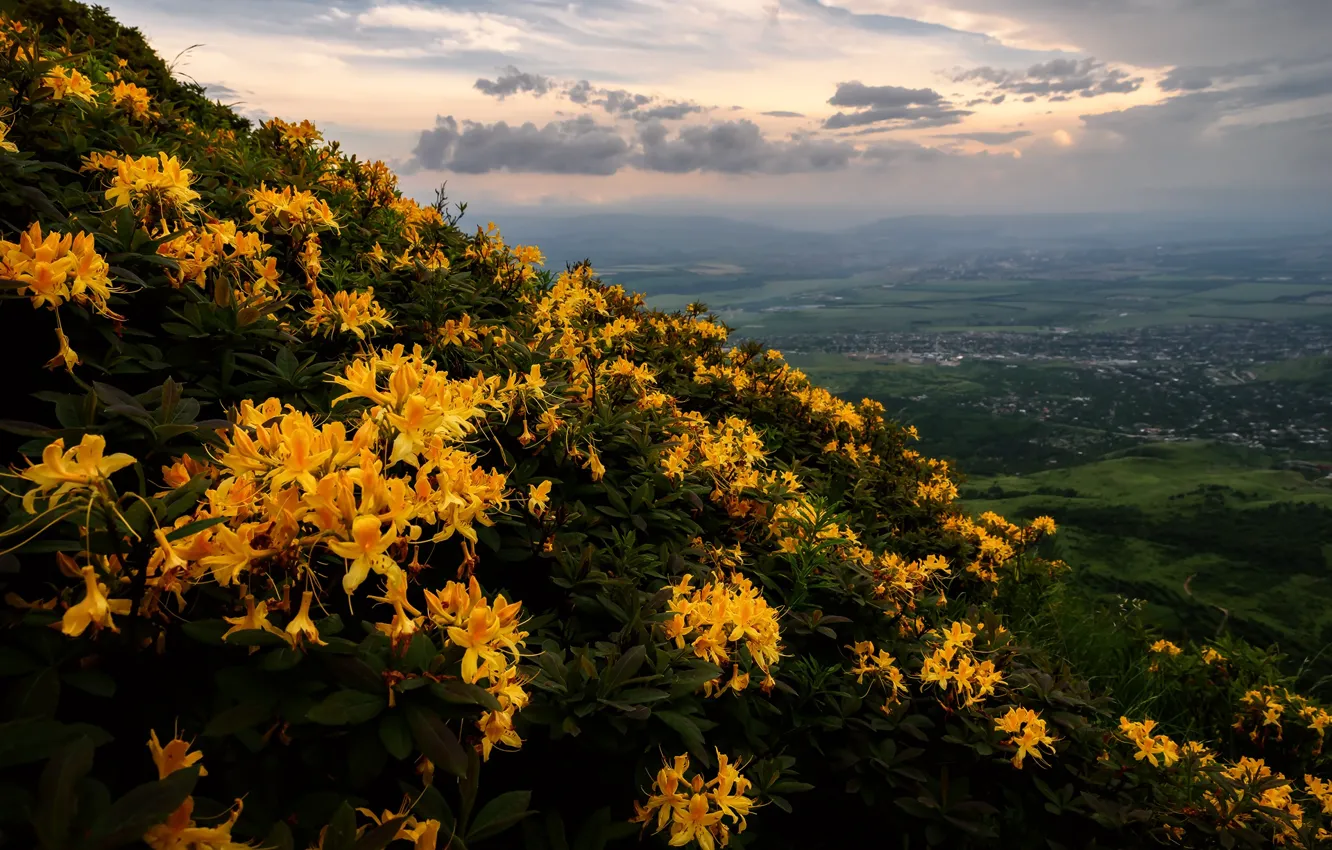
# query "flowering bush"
(336, 508)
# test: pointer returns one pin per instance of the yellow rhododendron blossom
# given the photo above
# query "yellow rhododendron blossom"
(153, 185)
(64, 471)
(302, 628)
(69, 82)
(132, 98)
(94, 610)
(174, 756)
(1027, 732)
(538, 498)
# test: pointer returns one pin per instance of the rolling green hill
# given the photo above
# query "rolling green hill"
(1211, 536)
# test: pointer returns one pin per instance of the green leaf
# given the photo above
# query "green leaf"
(206, 631)
(499, 814)
(279, 838)
(395, 735)
(94, 682)
(623, 669)
(16, 663)
(33, 739)
(690, 680)
(434, 738)
(420, 652)
(461, 693)
(341, 832)
(57, 801)
(347, 708)
(195, 527)
(238, 717)
(143, 807)
(685, 727)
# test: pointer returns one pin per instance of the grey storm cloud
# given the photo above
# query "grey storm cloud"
(1186, 79)
(583, 146)
(512, 81)
(1085, 77)
(783, 113)
(626, 104)
(987, 138)
(573, 146)
(897, 105)
(737, 147)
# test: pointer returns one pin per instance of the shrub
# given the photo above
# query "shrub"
(323, 509)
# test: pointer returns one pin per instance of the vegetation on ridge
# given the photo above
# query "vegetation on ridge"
(372, 533)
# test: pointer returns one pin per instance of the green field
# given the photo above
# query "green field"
(1211, 536)
(760, 306)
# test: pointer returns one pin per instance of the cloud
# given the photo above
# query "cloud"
(895, 152)
(513, 81)
(218, 91)
(897, 105)
(1186, 79)
(1086, 77)
(987, 138)
(666, 112)
(454, 28)
(783, 113)
(626, 104)
(619, 101)
(573, 146)
(737, 147)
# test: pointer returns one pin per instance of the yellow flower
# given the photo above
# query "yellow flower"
(1027, 732)
(153, 185)
(68, 82)
(95, 610)
(366, 549)
(1165, 647)
(302, 628)
(131, 98)
(234, 552)
(1043, 524)
(538, 498)
(79, 468)
(174, 756)
(289, 210)
(6, 145)
(256, 617)
(56, 268)
(594, 463)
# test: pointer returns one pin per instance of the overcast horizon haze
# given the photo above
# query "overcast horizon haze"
(794, 110)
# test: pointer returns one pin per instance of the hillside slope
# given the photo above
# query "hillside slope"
(379, 534)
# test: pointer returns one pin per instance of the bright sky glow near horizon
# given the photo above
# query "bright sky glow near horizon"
(886, 106)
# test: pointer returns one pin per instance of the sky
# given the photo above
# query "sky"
(830, 110)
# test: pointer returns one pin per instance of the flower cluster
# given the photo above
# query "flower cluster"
(219, 252)
(697, 810)
(720, 617)
(1027, 732)
(55, 268)
(133, 99)
(489, 635)
(293, 135)
(356, 313)
(1155, 748)
(289, 210)
(954, 669)
(880, 667)
(1264, 712)
(69, 82)
(153, 186)
(180, 829)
